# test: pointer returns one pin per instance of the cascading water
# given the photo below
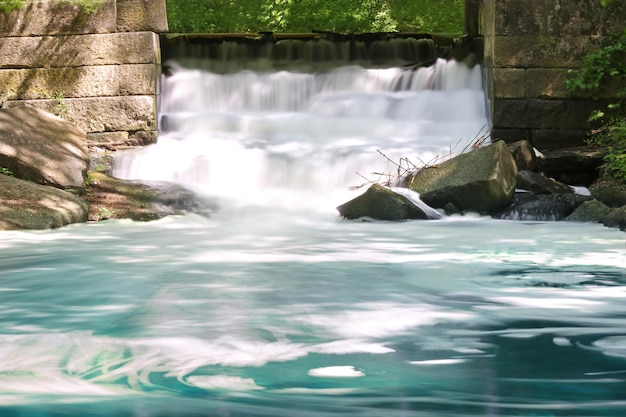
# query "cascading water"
(274, 306)
(258, 134)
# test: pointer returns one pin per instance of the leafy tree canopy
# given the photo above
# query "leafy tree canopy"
(293, 16)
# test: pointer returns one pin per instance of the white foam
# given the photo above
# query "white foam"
(336, 372)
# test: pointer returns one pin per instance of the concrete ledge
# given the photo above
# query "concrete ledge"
(106, 114)
(141, 15)
(52, 17)
(80, 50)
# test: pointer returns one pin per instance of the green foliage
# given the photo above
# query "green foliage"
(10, 5)
(612, 137)
(344, 16)
(6, 171)
(59, 96)
(601, 68)
(104, 213)
(89, 6)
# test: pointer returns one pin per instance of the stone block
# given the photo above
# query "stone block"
(542, 114)
(144, 137)
(52, 17)
(510, 135)
(508, 82)
(555, 17)
(80, 50)
(103, 114)
(547, 83)
(141, 15)
(106, 139)
(139, 79)
(542, 51)
(59, 83)
(558, 138)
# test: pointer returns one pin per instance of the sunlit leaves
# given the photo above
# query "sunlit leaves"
(344, 16)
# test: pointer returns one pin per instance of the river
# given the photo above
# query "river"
(275, 306)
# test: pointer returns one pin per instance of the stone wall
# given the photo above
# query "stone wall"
(530, 45)
(98, 70)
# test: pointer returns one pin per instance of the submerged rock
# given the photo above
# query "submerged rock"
(481, 180)
(381, 203)
(25, 205)
(42, 148)
(551, 207)
(110, 197)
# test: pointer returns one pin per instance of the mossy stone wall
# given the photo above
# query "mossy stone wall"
(530, 47)
(98, 70)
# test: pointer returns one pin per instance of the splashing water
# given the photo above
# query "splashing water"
(257, 135)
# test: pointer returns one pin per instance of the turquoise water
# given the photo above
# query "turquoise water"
(274, 306)
(190, 316)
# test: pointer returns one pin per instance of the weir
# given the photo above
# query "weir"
(254, 118)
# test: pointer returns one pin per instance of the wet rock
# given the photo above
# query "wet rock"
(40, 147)
(551, 207)
(524, 155)
(381, 203)
(110, 197)
(592, 211)
(25, 205)
(480, 181)
(574, 166)
(611, 193)
(540, 184)
(616, 218)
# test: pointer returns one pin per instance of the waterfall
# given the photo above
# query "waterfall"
(290, 137)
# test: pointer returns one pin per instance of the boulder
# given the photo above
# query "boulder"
(110, 197)
(540, 184)
(42, 148)
(524, 155)
(381, 203)
(573, 166)
(25, 205)
(592, 211)
(616, 218)
(611, 193)
(480, 181)
(551, 207)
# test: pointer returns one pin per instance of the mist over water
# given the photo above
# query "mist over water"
(274, 306)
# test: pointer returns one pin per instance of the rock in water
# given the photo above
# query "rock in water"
(479, 181)
(43, 148)
(24, 205)
(381, 203)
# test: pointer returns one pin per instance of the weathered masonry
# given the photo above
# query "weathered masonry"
(101, 70)
(530, 45)
(97, 69)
